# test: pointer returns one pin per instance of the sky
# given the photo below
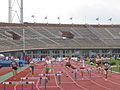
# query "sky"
(81, 11)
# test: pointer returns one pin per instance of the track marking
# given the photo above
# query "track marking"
(67, 82)
(49, 87)
(113, 82)
(75, 82)
(100, 84)
(115, 77)
(56, 80)
(17, 84)
(38, 80)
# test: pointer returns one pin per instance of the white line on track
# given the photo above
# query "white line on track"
(67, 82)
(100, 84)
(38, 80)
(56, 81)
(49, 87)
(75, 82)
(115, 77)
(113, 82)
(17, 84)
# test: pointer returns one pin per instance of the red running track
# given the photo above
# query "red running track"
(97, 82)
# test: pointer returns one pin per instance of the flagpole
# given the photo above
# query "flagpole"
(58, 20)
(71, 18)
(97, 19)
(33, 16)
(110, 20)
(46, 19)
(72, 21)
(24, 43)
(85, 20)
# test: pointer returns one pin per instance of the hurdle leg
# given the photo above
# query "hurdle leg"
(89, 74)
(22, 84)
(4, 86)
(75, 75)
(32, 87)
(59, 79)
(22, 87)
(45, 82)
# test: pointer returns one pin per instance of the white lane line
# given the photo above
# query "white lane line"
(38, 81)
(75, 82)
(113, 82)
(67, 82)
(49, 87)
(115, 77)
(15, 87)
(100, 84)
(56, 81)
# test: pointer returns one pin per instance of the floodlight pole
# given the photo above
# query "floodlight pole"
(23, 40)
(21, 21)
(19, 11)
(9, 11)
(24, 43)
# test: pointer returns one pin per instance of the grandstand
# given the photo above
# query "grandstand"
(59, 39)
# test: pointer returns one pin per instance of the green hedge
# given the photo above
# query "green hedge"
(112, 63)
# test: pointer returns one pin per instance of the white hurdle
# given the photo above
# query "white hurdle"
(44, 77)
(19, 82)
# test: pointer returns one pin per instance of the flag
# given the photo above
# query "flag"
(71, 18)
(45, 17)
(58, 18)
(110, 19)
(97, 18)
(33, 16)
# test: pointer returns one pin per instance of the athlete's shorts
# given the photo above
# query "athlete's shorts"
(106, 69)
(82, 67)
(32, 67)
(15, 68)
(48, 70)
(98, 63)
(68, 64)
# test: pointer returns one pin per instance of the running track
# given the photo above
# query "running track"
(97, 82)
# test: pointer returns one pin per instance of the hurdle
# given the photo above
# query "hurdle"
(89, 71)
(20, 83)
(75, 74)
(58, 75)
(44, 77)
